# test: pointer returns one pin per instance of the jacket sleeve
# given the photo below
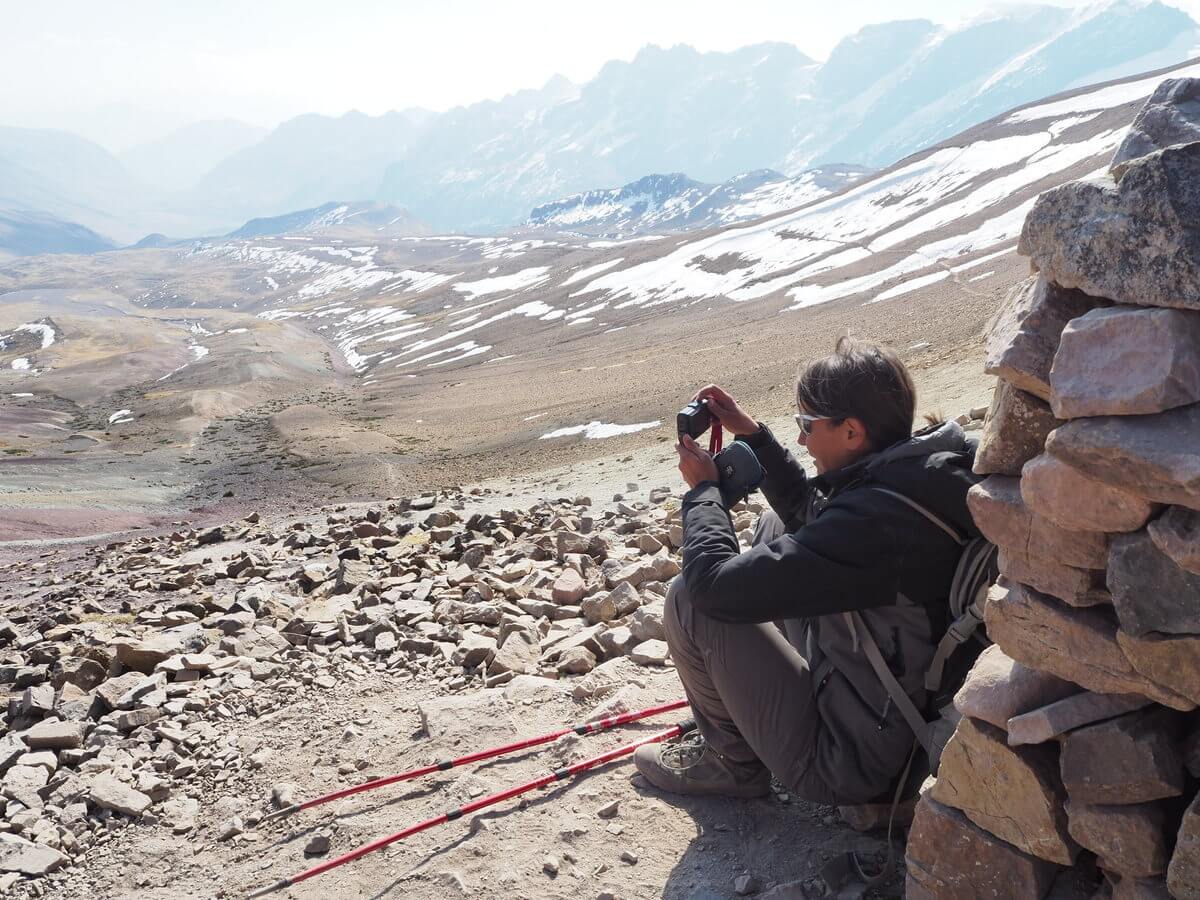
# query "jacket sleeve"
(845, 560)
(785, 486)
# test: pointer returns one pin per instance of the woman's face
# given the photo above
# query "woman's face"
(833, 443)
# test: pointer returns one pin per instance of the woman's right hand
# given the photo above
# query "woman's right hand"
(725, 408)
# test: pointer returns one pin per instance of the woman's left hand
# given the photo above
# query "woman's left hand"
(695, 463)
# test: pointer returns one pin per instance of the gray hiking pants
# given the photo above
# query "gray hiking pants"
(750, 688)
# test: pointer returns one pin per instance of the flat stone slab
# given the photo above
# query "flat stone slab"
(942, 838)
(108, 792)
(998, 688)
(1078, 587)
(1149, 591)
(1048, 722)
(1172, 660)
(1123, 361)
(55, 735)
(1004, 519)
(27, 858)
(1071, 499)
(1014, 431)
(1013, 793)
(1156, 457)
(1078, 645)
(1130, 759)
(1131, 840)
(1023, 336)
(1149, 221)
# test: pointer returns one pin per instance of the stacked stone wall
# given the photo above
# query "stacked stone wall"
(1075, 770)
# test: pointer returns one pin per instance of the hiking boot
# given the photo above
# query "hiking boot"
(689, 766)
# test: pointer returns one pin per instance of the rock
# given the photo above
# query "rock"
(646, 623)
(998, 688)
(746, 885)
(1022, 337)
(1078, 587)
(650, 653)
(1156, 457)
(318, 844)
(569, 588)
(1013, 793)
(518, 654)
(1138, 889)
(283, 794)
(1170, 116)
(1078, 645)
(110, 692)
(609, 810)
(1147, 220)
(1014, 431)
(626, 599)
(143, 656)
(1054, 719)
(127, 721)
(1150, 592)
(456, 717)
(1169, 660)
(576, 661)
(942, 838)
(1123, 361)
(599, 608)
(550, 865)
(22, 783)
(1177, 534)
(1183, 874)
(474, 649)
(109, 793)
(1130, 759)
(1070, 499)
(353, 574)
(1005, 520)
(1130, 840)
(55, 735)
(20, 855)
(231, 829)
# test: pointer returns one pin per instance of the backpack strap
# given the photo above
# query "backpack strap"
(928, 514)
(862, 634)
(958, 634)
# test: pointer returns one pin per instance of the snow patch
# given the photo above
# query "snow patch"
(596, 429)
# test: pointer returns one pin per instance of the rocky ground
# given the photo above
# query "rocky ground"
(167, 690)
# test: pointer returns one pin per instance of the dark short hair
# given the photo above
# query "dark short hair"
(862, 381)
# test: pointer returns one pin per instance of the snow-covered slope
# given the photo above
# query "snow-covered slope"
(667, 203)
(344, 220)
(939, 220)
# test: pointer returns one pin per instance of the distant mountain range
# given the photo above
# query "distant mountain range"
(370, 221)
(885, 92)
(665, 203)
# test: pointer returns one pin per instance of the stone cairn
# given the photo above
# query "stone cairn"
(1075, 767)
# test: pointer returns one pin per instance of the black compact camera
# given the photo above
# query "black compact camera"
(738, 469)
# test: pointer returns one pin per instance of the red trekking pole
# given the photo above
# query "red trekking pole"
(474, 806)
(584, 728)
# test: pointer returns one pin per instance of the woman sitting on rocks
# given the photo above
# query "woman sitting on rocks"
(776, 679)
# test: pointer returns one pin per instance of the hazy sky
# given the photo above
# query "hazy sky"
(129, 70)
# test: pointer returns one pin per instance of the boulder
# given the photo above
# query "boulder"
(1149, 221)
(1150, 592)
(1124, 361)
(1005, 520)
(1183, 874)
(1177, 533)
(1156, 457)
(1078, 645)
(1171, 116)
(55, 735)
(1170, 660)
(650, 653)
(1130, 759)
(1013, 793)
(110, 692)
(1130, 840)
(576, 661)
(1070, 499)
(1014, 431)
(599, 608)
(1022, 337)
(22, 783)
(569, 588)
(942, 838)
(518, 654)
(144, 655)
(998, 688)
(1078, 587)
(1137, 889)
(1054, 719)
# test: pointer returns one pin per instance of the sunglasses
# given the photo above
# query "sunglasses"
(805, 421)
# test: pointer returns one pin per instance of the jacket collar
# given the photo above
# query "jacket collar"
(947, 437)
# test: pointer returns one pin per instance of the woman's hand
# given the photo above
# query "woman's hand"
(725, 408)
(695, 463)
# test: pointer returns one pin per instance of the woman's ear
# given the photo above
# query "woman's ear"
(856, 434)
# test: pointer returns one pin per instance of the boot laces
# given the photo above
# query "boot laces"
(684, 752)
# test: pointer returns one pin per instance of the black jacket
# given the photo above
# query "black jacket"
(847, 547)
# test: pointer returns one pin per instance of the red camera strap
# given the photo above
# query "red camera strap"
(715, 438)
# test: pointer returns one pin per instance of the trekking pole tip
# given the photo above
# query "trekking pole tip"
(270, 889)
(279, 813)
